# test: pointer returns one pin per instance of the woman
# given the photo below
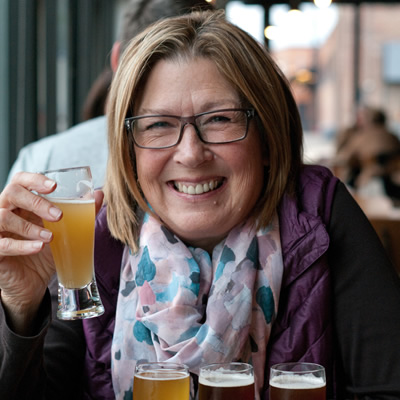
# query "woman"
(215, 242)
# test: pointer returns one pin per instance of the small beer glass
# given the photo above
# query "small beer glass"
(73, 243)
(297, 381)
(226, 381)
(161, 381)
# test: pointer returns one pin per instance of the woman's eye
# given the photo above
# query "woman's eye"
(218, 118)
(158, 125)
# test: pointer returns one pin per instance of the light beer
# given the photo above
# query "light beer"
(161, 384)
(297, 387)
(221, 386)
(73, 242)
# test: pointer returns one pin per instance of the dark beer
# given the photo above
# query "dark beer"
(226, 387)
(297, 387)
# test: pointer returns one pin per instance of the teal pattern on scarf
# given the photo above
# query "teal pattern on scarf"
(178, 304)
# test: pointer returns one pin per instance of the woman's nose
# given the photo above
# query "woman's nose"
(191, 151)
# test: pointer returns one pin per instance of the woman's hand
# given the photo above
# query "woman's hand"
(26, 263)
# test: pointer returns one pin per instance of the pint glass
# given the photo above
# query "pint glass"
(161, 381)
(73, 243)
(226, 381)
(297, 381)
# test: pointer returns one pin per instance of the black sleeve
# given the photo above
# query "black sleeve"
(46, 365)
(366, 305)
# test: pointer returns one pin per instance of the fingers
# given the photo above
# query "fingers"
(21, 230)
(37, 182)
(18, 195)
(13, 247)
(12, 223)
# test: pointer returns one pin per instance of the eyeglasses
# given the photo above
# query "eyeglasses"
(213, 127)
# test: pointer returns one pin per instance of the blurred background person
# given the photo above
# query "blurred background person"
(95, 102)
(366, 154)
(86, 143)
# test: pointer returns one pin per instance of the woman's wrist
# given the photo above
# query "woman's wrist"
(20, 316)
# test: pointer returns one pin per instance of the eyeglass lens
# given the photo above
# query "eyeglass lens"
(221, 126)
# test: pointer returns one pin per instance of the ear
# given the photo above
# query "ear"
(115, 53)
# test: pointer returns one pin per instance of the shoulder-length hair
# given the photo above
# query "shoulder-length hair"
(244, 63)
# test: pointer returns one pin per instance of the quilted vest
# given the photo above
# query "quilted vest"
(303, 328)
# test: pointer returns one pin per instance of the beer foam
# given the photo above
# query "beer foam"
(62, 200)
(162, 375)
(220, 378)
(307, 381)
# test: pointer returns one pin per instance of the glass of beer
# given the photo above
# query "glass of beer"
(73, 243)
(226, 381)
(297, 381)
(161, 381)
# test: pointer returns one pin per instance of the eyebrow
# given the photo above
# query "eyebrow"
(209, 106)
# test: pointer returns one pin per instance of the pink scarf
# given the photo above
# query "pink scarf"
(176, 303)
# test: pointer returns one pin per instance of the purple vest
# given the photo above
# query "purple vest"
(303, 328)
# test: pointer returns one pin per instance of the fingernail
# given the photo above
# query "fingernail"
(55, 212)
(37, 245)
(46, 235)
(49, 183)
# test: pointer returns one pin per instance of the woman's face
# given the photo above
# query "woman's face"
(186, 88)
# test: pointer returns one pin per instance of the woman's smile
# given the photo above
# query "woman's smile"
(199, 190)
(198, 187)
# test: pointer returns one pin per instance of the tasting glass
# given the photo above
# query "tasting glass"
(73, 243)
(226, 381)
(297, 381)
(161, 381)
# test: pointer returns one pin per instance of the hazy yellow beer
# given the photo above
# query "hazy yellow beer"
(155, 382)
(73, 242)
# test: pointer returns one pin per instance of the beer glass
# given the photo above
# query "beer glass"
(226, 381)
(73, 243)
(297, 381)
(161, 381)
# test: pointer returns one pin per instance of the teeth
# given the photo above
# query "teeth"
(197, 189)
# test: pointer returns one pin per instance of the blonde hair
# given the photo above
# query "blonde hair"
(244, 63)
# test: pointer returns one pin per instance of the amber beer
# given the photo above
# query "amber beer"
(155, 382)
(226, 388)
(297, 381)
(226, 382)
(73, 242)
(297, 388)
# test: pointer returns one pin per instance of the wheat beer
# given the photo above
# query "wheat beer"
(226, 387)
(73, 242)
(156, 383)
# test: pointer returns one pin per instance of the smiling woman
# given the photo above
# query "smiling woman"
(215, 243)
(191, 163)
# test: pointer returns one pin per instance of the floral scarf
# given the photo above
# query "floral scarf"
(177, 303)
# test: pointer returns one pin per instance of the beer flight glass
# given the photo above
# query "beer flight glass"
(73, 243)
(161, 381)
(226, 381)
(297, 381)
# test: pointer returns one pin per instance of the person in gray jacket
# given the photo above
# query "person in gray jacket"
(86, 143)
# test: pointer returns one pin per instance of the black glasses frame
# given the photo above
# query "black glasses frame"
(250, 113)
